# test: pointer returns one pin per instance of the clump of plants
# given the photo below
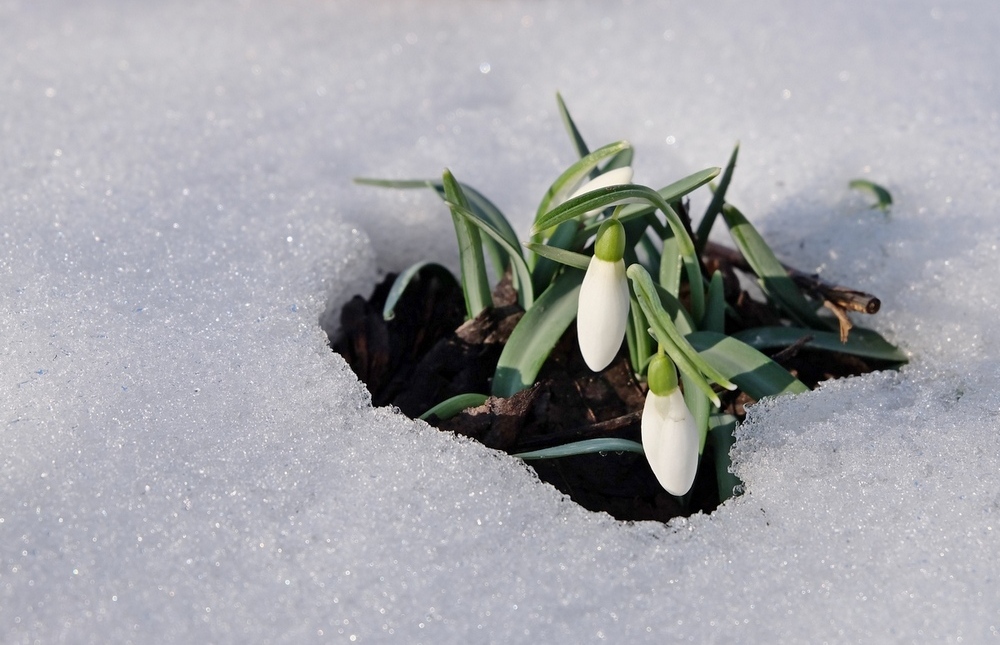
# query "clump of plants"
(632, 409)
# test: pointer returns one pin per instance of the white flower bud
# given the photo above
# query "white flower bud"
(670, 440)
(602, 313)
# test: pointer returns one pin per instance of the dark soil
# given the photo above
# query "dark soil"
(427, 354)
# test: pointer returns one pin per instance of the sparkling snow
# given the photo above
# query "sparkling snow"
(183, 460)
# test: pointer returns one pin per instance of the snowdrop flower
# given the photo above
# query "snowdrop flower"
(669, 432)
(614, 177)
(603, 309)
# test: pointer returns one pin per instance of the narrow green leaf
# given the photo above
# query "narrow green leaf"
(774, 279)
(581, 146)
(526, 291)
(405, 277)
(671, 265)
(546, 266)
(582, 448)
(861, 342)
(640, 345)
(567, 182)
(536, 334)
(700, 408)
(477, 202)
(450, 407)
(715, 206)
(403, 184)
(721, 429)
(715, 305)
(561, 256)
(652, 253)
(883, 200)
(670, 193)
(751, 371)
(475, 285)
(687, 358)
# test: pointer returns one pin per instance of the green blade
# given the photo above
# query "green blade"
(475, 285)
(561, 256)
(536, 334)
(721, 429)
(525, 290)
(715, 306)
(715, 206)
(687, 358)
(403, 280)
(861, 342)
(477, 202)
(581, 146)
(582, 448)
(751, 371)
(450, 407)
(546, 265)
(774, 279)
(670, 193)
(883, 200)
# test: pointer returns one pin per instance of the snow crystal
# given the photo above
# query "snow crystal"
(184, 460)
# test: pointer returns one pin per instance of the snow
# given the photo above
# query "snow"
(184, 460)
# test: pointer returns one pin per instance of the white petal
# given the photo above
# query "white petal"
(670, 440)
(614, 177)
(602, 313)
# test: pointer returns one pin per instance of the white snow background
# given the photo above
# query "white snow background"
(183, 460)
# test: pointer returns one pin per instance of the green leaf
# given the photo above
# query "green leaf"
(405, 277)
(861, 342)
(582, 448)
(561, 256)
(654, 302)
(718, 200)
(567, 182)
(640, 346)
(751, 371)
(687, 359)
(774, 279)
(475, 285)
(525, 290)
(715, 305)
(546, 266)
(671, 264)
(632, 193)
(477, 202)
(721, 429)
(883, 200)
(536, 334)
(700, 408)
(581, 146)
(652, 253)
(450, 407)
(670, 193)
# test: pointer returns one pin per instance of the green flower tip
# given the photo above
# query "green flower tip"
(661, 375)
(610, 244)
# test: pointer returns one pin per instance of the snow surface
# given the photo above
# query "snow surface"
(184, 460)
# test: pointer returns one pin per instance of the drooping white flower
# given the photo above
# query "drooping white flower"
(613, 177)
(669, 432)
(602, 312)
